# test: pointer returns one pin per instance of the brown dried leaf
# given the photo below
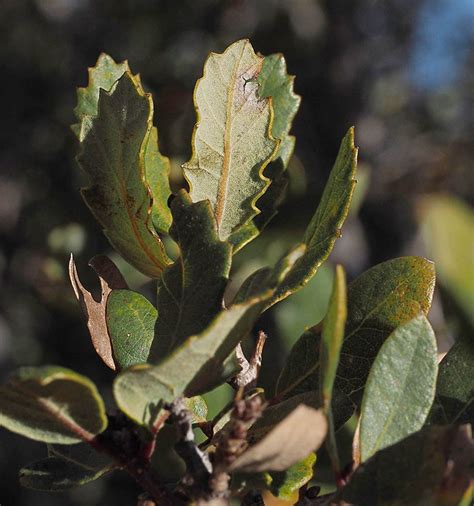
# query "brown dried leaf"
(293, 439)
(94, 311)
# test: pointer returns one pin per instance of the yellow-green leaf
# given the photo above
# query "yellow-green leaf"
(53, 405)
(112, 154)
(232, 140)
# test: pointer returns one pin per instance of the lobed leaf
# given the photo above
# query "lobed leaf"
(131, 320)
(191, 291)
(192, 368)
(53, 405)
(454, 401)
(273, 82)
(400, 388)
(293, 439)
(112, 155)
(232, 142)
(103, 75)
(110, 279)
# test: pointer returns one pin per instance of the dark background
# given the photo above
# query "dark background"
(399, 70)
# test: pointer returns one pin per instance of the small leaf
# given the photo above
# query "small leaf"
(198, 408)
(112, 154)
(110, 279)
(454, 401)
(410, 472)
(293, 439)
(400, 388)
(331, 342)
(332, 336)
(56, 474)
(191, 291)
(103, 76)
(157, 170)
(192, 368)
(131, 323)
(53, 405)
(82, 454)
(273, 82)
(232, 143)
(284, 484)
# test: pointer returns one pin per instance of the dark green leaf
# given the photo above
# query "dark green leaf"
(112, 154)
(131, 324)
(191, 291)
(56, 474)
(400, 388)
(53, 405)
(410, 472)
(454, 401)
(232, 142)
(193, 366)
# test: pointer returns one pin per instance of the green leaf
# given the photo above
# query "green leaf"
(157, 170)
(332, 336)
(112, 154)
(198, 408)
(131, 323)
(331, 343)
(191, 291)
(56, 474)
(284, 484)
(448, 228)
(232, 143)
(103, 76)
(381, 299)
(454, 401)
(82, 454)
(325, 226)
(53, 405)
(409, 472)
(273, 82)
(191, 369)
(400, 388)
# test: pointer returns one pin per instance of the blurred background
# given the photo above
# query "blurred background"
(401, 71)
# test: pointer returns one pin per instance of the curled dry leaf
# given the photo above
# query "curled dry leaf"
(94, 311)
(293, 439)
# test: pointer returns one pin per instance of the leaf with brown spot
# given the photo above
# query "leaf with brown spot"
(94, 311)
(293, 439)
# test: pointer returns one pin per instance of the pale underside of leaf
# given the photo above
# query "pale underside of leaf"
(94, 311)
(232, 142)
(293, 439)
